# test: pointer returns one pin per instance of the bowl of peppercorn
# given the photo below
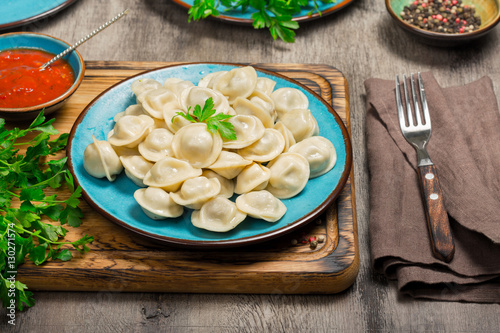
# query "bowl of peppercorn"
(445, 22)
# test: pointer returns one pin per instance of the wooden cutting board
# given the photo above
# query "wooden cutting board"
(122, 261)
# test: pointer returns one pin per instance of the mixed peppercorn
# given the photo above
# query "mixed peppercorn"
(313, 241)
(444, 16)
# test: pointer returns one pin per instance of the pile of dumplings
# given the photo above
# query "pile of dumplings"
(179, 164)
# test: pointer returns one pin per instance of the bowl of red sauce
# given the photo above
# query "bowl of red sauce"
(25, 90)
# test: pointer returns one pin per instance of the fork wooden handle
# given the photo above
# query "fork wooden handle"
(442, 243)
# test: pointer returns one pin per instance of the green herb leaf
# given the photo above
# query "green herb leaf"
(226, 129)
(63, 255)
(38, 120)
(215, 122)
(72, 216)
(184, 115)
(59, 143)
(202, 9)
(275, 15)
(285, 33)
(26, 218)
(32, 194)
(37, 255)
(52, 211)
(73, 201)
(207, 111)
(81, 244)
(23, 296)
(24, 178)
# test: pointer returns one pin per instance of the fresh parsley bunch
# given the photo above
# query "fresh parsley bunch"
(276, 15)
(25, 207)
(214, 122)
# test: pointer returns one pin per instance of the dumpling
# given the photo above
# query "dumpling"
(177, 86)
(195, 192)
(129, 131)
(136, 168)
(265, 102)
(155, 100)
(243, 106)
(226, 185)
(173, 121)
(254, 177)
(231, 111)
(286, 99)
(160, 123)
(157, 145)
(142, 85)
(195, 144)
(289, 175)
(266, 148)
(265, 85)
(319, 152)
(169, 174)
(301, 123)
(287, 135)
(248, 130)
(261, 205)
(218, 215)
(238, 82)
(100, 160)
(208, 80)
(157, 204)
(132, 110)
(122, 151)
(193, 96)
(229, 164)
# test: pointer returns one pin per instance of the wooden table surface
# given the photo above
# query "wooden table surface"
(362, 42)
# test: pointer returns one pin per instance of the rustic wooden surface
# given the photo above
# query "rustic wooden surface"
(134, 264)
(362, 42)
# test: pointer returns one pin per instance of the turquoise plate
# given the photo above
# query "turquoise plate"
(14, 13)
(115, 200)
(306, 14)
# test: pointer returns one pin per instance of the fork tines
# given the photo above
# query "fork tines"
(412, 121)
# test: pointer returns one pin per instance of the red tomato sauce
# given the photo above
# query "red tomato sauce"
(23, 84)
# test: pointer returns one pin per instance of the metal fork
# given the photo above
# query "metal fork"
(417, 132)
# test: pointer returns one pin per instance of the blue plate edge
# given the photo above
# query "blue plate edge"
(36, 17)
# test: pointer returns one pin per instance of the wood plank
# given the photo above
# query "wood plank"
(120, 260)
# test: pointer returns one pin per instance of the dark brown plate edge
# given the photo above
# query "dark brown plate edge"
(227, 243)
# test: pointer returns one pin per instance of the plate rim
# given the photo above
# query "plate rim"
(27, 20)
(244, 241)
(303, 18)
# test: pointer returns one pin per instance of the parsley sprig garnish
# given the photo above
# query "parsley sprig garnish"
(25, 207)
(276, 15)
(215, 122)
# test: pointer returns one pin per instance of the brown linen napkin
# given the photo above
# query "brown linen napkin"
(465, 148)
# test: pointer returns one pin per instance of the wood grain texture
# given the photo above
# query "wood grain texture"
(443, 246)
(125, 261)
(362, 42)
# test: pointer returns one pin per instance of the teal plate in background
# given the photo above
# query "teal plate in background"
(239, 17)
(14, 13)
(115, 200)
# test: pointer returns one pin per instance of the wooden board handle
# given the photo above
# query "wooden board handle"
(442, 243)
